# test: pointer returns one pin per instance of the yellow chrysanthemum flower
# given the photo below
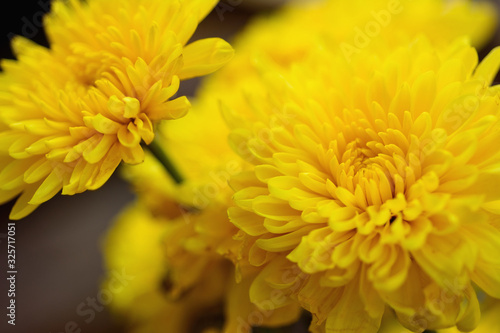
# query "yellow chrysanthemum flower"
(259, 48)
(71, 114)
(375, 178)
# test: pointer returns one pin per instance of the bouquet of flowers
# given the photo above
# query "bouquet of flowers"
(338, 168)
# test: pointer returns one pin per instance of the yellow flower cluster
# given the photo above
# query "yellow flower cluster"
(342, 164)
(363, 183)
(70, 114)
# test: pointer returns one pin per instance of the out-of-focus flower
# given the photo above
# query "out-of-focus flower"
(375, 178)
(351, 28)
(71, 114)
(197, 242)
(134, 247)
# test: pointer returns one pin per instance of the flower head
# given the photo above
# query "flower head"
(71, 114)
(375, 178)
(137, 50)
(145, 298)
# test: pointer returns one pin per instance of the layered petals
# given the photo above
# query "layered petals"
(380, 191)
(94, 98)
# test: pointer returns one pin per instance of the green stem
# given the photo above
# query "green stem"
(167, 163)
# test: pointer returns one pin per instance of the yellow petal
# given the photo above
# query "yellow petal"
(22, 208)
(286, 242)
(11, 176)
(349, 315)
(132, 155)
(132, 107)
(18, 148)
(128, 136)
(115, 106)
(374, 305)
(244, 197)
(145, 128)
(102, 124)
(488, 68)
(470, 314)
(72, 187)
(423, 93)
(204, 57)
(38, 170)
(50, 186)
(6, 196)
(202, 7)
(94, 154)
(249, 222)
(107, 167)
(173, 109)
(486, 273)
(273, 208)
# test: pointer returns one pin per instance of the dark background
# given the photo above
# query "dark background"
(58, 248)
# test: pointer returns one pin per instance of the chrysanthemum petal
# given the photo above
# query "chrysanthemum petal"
(487, 271)
(22, 208)
(38, 170)
(102, 124)
(95, 153)
(246, 220)
(349, 314)
(7, 195)
(50, 187)
(488, 68)
(203, 7)
(108, 166)
(469, 317)
(173, 109)
(204, 57)
(132, 155)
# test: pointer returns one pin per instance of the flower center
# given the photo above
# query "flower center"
(366, 172)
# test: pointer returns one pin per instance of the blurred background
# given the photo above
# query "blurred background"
(58, 247)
